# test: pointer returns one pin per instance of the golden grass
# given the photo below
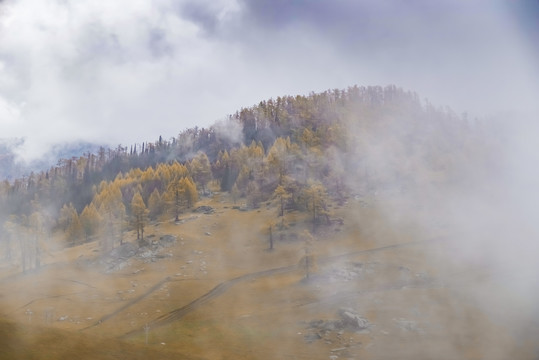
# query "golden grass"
(257, 317)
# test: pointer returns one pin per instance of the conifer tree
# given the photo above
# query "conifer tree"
(66, 216)
(282, 196)
(280, 158)
(155, 204)
(190, 192)
(139, 214)
(90, 220)
(316, 199)
(201, 170)
(74, 231)
(174, 196)
(111, 209)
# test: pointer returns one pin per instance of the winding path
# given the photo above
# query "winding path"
(219, 289)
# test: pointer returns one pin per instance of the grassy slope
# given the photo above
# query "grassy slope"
(30, 342)
(261, 317)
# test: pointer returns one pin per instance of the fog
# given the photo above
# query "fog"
(107, 73)
(113, 74)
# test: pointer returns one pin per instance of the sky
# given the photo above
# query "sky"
(119, 72)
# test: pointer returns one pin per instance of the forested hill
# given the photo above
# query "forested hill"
(304, 150)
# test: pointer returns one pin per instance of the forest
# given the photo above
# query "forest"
(299, 152)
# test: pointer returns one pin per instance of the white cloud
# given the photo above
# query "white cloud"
(120, 73)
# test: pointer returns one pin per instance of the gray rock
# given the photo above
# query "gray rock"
(353, 320)
(167, 239)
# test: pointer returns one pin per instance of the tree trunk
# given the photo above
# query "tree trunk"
(271, 238)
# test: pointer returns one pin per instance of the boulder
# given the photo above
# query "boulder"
(353, 320)
(205, 209)
(167, 239)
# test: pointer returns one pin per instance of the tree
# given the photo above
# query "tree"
(254, 196)
(11, 230)
(190, 192)
(270, 230)
(155, 204)
(109, 202)
(282, 196)
(66, 216)
(74, 231)
(316, 200)
(280, 156)
(181, 193)
(244, 177)
(5, 239)
(201, 170)
(90, 220)
(174, 196)
(308, 260)
(139, 214)
(235, 193)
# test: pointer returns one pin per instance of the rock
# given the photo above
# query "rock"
(311, 337)
(167, 239)
(125, 251)
(353, 320)
(204, 209)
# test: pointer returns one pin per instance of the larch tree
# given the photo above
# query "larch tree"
(280, 157)
(36, 222)
(308, 260)
(174, 197)
(316, 199)
(282, 196)
(66, 216)
(139, 213)
(201, 170)
(111, 209)
(190, 192)
(6, 239)
(90, 220)
(74, 231)
(244, 177)
(235, 193)
(155, 204)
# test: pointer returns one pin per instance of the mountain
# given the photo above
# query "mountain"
(11, 167)
(355, 223)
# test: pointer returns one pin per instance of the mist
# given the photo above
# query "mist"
(460, 179)
(120, 75)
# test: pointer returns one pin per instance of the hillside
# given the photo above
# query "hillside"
(211, 289)
(333, 225)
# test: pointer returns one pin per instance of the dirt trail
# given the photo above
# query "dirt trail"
(129, 303)
(219, 289)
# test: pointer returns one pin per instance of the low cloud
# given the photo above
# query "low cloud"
(121, 74)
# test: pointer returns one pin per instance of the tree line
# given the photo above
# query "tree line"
(301, 152)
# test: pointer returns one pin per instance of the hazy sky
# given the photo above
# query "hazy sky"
(129, 71)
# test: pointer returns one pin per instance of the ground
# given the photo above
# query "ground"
(210, 288)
